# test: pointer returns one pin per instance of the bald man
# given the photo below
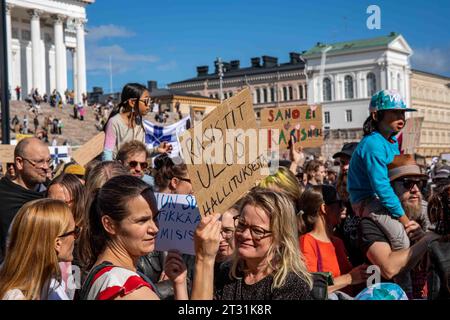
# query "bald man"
(31, 160)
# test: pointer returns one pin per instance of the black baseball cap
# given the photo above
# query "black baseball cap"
(347, 150)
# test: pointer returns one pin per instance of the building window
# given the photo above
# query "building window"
(300, 92)
(326, 89)
(265, 95)
(258, 96)
(348, 87)
(371, 84)
(272, 94)
(348, 115)
(291, 93)
(399, 81)
(306, 91)
(327, 117)
(285, 94)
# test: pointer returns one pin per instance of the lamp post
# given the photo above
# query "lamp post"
(4, 85)
(220, 69)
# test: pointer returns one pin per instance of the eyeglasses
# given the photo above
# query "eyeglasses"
(75, 232)
(134, 164)
(256, 232)
(39, 164)
(183, 179)
(408, 183)
(147, 101)
(227, 233)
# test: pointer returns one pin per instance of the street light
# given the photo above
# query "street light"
(221, 70)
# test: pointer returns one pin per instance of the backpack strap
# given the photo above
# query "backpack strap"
(88, 282)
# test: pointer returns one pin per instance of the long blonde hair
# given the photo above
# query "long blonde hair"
(284, 252)
(31, 259)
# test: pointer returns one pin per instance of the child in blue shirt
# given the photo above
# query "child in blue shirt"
(371, 193)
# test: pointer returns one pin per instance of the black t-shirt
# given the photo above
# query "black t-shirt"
(12, 198)
(294, 288)
(369, 233)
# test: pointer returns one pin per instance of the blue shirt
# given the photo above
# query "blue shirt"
(368, 172)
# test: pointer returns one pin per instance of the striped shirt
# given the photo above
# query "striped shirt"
(111, 282)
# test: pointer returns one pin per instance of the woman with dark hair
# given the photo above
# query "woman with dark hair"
(320, 213)
(171, 177)
(125, 121)
(95, 179)
(123, 228)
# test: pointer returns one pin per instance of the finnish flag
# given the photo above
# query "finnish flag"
(155, 134)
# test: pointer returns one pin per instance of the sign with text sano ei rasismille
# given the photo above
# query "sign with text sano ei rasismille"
(223, 155)
(302, 123)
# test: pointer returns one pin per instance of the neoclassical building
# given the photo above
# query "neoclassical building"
(272, 83)
(430, 94)
(343, 76)
(39, 34)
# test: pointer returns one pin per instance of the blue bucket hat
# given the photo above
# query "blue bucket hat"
(388, 100)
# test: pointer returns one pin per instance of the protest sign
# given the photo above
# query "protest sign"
(302, 123)
(223, 154)
(178, 217)
(7, 153)
(90, 149)
(410, 135)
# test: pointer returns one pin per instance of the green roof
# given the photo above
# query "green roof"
(352, 45)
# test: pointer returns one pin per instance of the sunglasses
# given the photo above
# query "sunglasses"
(183, 179)
(134, 164)
(408, 184)
(75, 232)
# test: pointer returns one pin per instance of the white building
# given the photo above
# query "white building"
(352, 72)
(39, 34)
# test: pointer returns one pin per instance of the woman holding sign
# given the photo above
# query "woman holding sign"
(266, 264)
(125, 122)
(123, 228)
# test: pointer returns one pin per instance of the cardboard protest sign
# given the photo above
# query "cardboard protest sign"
(178, 217)
(7, 153)
(411, 135)
(223, 154)
(90, 149)
(302, 123)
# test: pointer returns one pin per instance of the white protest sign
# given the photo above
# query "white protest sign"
(178, 217)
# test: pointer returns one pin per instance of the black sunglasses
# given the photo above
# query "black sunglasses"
(409, 183)
(133, 164)
(75, 232)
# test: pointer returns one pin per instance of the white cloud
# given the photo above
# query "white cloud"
(436, 60)
(167, 66)
(107, 31)
(121, 61)
(98, 54)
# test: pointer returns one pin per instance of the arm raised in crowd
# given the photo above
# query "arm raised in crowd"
(206, 239)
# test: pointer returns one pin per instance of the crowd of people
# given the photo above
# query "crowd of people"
(309, 230)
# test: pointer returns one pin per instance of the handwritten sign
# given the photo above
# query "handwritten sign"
(90, 149)
(302, 123)
(178, 217)
(223, 154)
(7, 153)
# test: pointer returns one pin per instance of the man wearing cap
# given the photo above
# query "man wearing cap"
(370, 191)
(407, 181)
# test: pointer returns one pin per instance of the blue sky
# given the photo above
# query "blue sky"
(165, 40)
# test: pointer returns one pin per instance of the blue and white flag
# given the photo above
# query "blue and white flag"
(155, 135)
(59, 153)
